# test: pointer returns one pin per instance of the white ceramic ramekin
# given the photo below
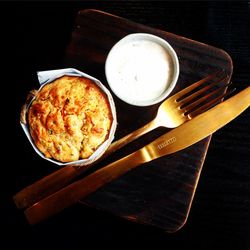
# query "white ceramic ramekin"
(142, 69)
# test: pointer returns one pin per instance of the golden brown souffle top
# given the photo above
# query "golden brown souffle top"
(70, 118)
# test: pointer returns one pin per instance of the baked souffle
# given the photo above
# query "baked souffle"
(70, 118)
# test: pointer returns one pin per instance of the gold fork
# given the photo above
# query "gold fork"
(173, 112)
(177, 109)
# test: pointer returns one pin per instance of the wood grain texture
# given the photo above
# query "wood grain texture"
(158, 193)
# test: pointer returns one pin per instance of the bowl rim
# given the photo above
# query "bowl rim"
(150, 37)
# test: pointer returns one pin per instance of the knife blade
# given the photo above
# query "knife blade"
(177, 139)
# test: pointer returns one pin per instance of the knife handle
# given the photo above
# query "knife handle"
(62, 177)
(80, 189)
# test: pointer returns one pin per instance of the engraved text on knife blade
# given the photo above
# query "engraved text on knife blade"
(166, 143)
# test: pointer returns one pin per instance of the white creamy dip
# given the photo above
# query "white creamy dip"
(139, 71)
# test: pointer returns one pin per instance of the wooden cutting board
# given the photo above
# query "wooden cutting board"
(159, 193)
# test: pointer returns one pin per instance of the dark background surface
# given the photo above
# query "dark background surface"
(34, 37)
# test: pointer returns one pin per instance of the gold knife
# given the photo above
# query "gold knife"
(173, 141)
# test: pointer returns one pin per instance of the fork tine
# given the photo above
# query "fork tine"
(187, 99)
(189, 108)
(208, 105)
(188, 89)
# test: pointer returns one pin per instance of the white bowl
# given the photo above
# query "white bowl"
(142, 69)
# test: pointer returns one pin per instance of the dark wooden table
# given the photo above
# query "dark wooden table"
(34, 37)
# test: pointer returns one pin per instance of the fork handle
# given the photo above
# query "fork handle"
(131, 137)
(44, 187)
(60, 178)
